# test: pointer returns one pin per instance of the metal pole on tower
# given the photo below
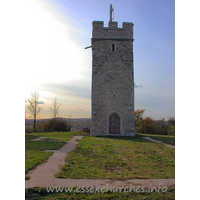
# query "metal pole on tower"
(111, 11)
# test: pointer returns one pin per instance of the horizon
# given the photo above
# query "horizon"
(84, 118)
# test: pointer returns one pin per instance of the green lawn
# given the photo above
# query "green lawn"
(164, 138)
(41, 193)
(33, 158)
(119, 158)
(104, 157)
(34, 153)
(59, 136)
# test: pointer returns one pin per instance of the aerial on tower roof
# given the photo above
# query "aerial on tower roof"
(111, 12)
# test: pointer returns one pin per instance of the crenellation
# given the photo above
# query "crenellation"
(112, 31)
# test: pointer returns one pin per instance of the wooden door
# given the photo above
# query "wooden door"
(114, 124)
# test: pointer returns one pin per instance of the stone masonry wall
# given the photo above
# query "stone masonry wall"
(112, 77)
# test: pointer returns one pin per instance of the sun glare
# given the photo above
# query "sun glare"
(54, 54)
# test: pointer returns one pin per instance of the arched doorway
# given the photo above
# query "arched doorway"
(114, 124)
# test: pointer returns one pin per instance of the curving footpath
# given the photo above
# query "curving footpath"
(160, 142)
(44, 175)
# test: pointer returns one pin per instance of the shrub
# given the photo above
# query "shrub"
(59, 125)
(171, 130)
(48, 126)
(28, 129)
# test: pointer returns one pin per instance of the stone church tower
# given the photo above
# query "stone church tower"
(112, 79)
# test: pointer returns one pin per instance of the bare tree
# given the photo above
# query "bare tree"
(54, 108)
(33, 106)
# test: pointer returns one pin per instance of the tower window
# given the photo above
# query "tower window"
(113, 47)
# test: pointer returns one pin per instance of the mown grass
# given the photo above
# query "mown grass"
(34, 150)
(33, 158)
(59, 136)
(41, 193)
(34, 153)
(119, 158)
(164, 138)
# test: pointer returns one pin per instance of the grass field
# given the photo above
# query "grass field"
(59, 136)
(164, 138)
(34, 153)
(41, 193)
(119, 158)
(104, 157)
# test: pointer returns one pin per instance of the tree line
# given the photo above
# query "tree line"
(142, 124)
(149, 126)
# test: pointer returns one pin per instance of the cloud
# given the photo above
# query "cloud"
(61, 89)
(53, 53)
(77, 89)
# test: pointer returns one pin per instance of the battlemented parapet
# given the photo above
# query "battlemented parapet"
(112, 31)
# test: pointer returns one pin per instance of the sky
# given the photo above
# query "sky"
(57, 65)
